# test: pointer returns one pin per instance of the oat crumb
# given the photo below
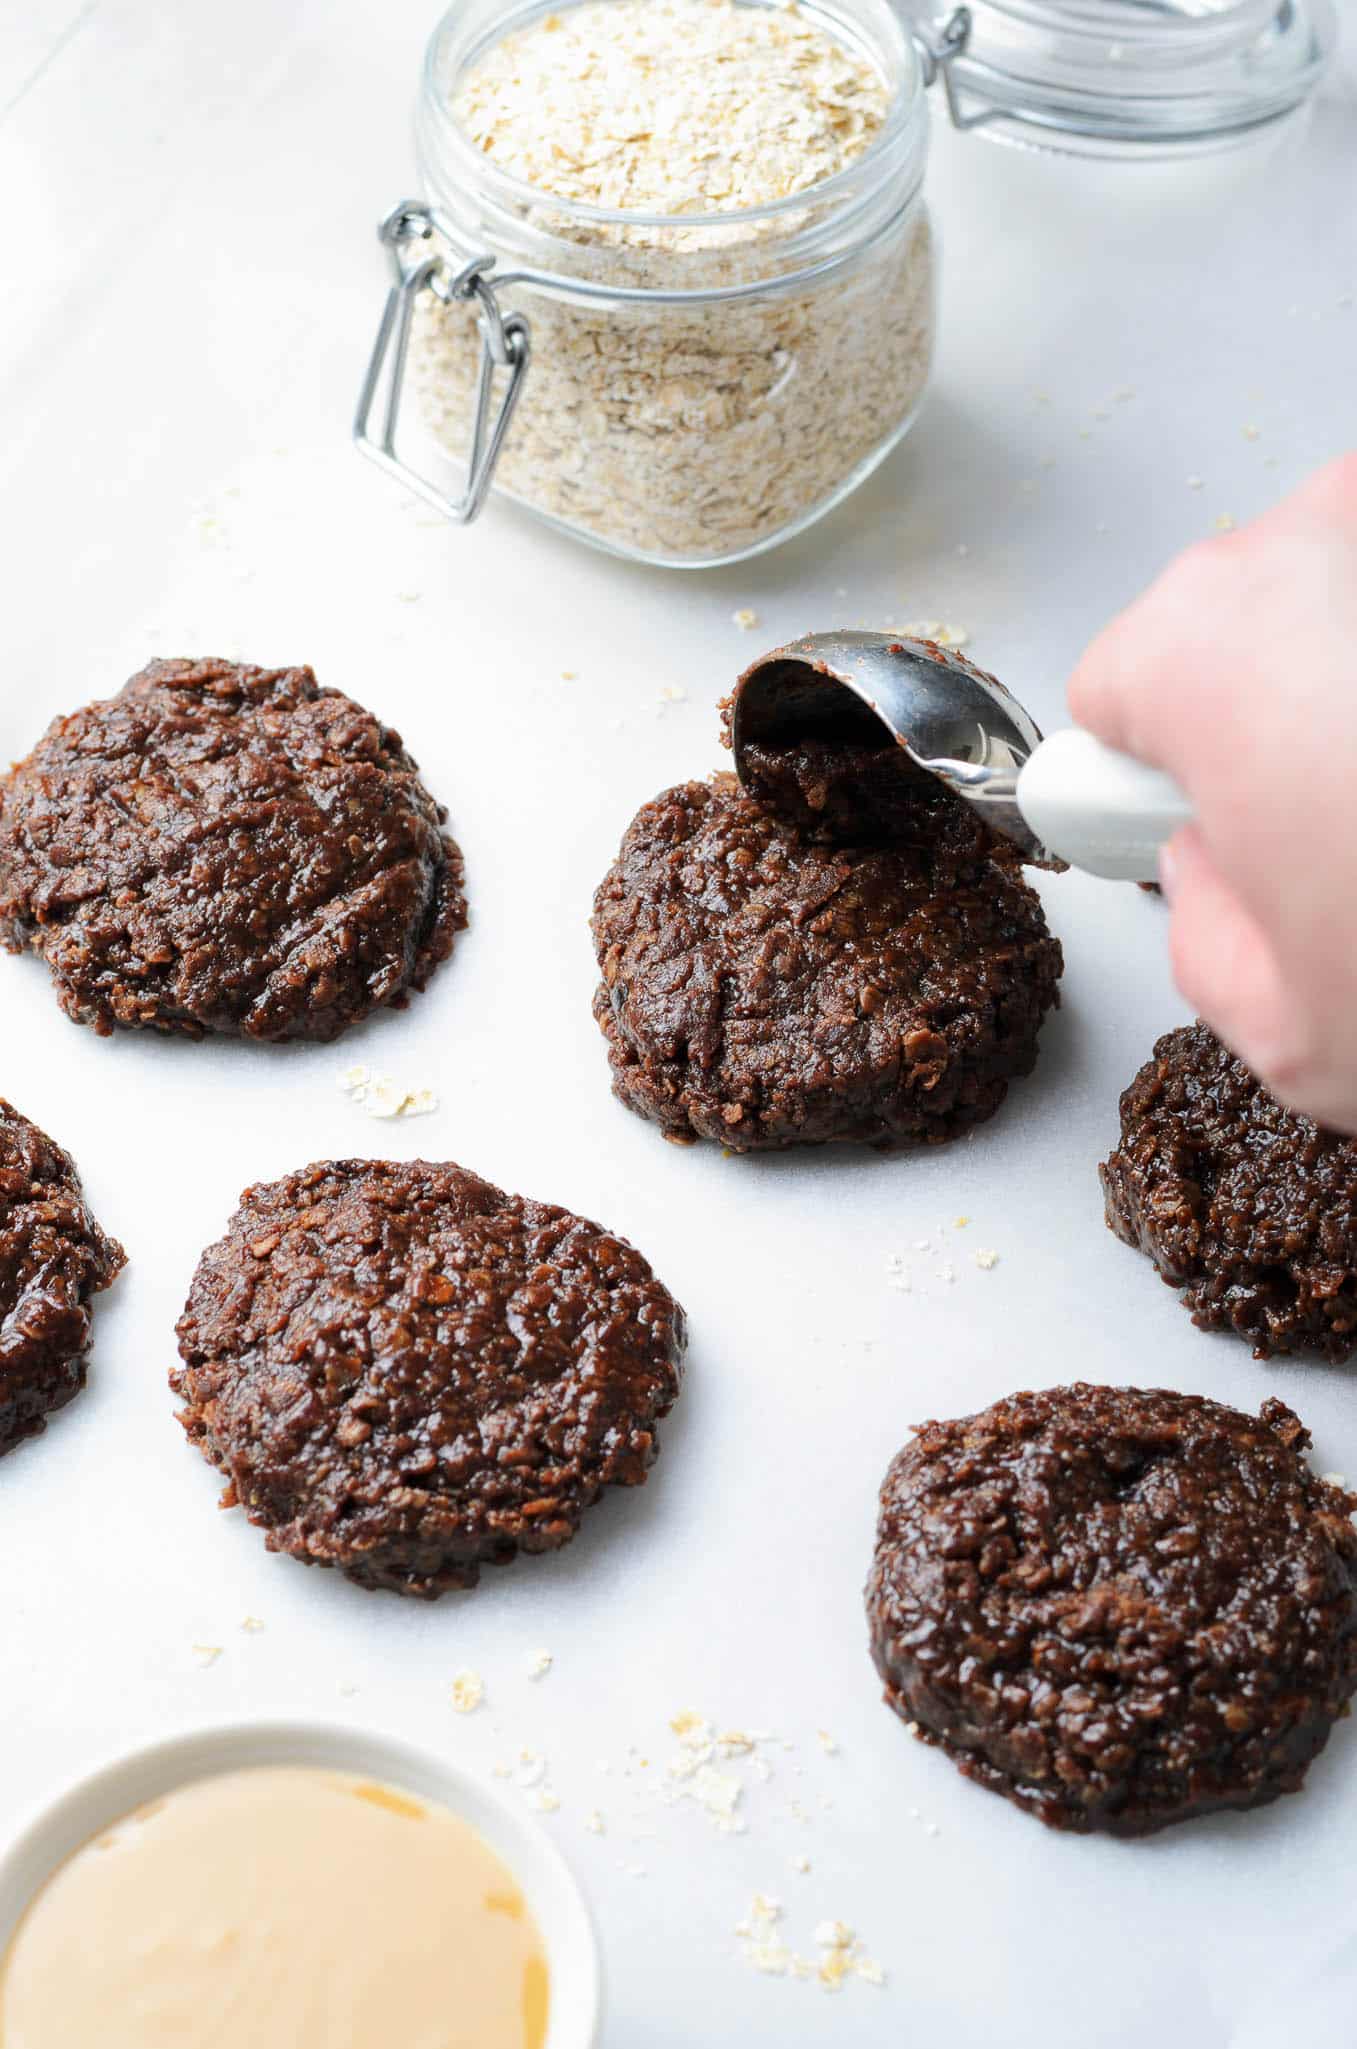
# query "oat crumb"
(594, 1823)
(252, 1624)
(745, 618)
(468, 1691)
(539, 1664)
(936, 630)
(206, 1653)
(986, 1260)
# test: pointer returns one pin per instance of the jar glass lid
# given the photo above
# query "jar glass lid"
(1128, 77)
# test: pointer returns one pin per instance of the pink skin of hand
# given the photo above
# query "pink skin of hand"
(1236, 671)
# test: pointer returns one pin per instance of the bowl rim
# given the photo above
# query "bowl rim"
(52, 1832)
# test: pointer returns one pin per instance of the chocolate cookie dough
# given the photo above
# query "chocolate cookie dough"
(408, 1374)
(1118, 1608)
(766, 982)
(53, 1257)
(222, 848)
(1250, 1209)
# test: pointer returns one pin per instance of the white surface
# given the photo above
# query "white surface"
(1101, 810)
(191, 284)
(147, 1774)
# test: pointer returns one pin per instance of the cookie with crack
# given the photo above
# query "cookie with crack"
(221, 848)
(1119, 1607)
(408, 1374)
(53, 1258)
(1247, 1208)
(766, 984)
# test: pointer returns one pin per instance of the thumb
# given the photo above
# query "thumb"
(1225, 965)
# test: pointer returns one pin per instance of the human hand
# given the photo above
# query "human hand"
(1236, 671)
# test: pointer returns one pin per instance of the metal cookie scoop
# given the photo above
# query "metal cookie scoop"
(1068, 798)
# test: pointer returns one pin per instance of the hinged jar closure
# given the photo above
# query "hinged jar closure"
(1130, 78)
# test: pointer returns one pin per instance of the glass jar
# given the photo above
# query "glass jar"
(688, 390)
(685, 389)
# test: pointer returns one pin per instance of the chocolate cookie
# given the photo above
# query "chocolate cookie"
(1119, 1608)
(765, 984)
(226, 849)
(53, 1257)
(1250, 1209)
(406, 1373)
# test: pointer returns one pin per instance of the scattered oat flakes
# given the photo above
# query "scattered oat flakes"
(801, 1864)
(468, 1691)
(539, 1664)
(986, 1260)
(380, 1096)
(745, 618)
(594, 1822)
(409, 597)
(827, 1743)
(960, 1223)
(720, 1794)
(206, 1653)
(548, 1802)
(936, 630)
(1225, 522)
(252, 1624)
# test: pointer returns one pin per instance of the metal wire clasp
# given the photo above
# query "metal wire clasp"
(938, 46)
(506, 345)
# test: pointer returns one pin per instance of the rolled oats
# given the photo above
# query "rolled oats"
(676, 430)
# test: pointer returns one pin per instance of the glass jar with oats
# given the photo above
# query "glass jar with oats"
(670, 284)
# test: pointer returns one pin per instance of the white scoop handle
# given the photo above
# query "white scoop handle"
(1098, 809)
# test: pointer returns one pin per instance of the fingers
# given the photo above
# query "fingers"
(1150, 683)
(1227, 968)
(1223, 961)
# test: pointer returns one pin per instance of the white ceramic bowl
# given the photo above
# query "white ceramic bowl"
(548, 1886)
